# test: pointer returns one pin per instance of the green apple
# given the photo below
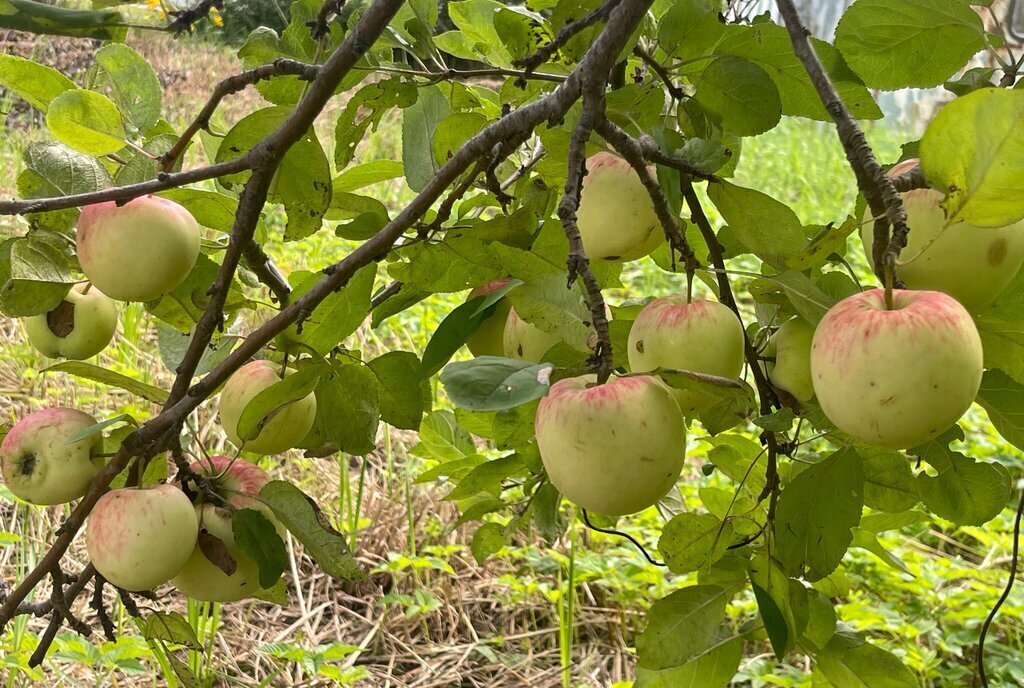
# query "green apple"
(700, 336)
(616, 218)
(41, 466)
(80, 327)
(488, 339)
(139, 538)
(285, 428)
(233, 480)
(615, 448)
(790, 346)
(524, 341)
(971, 264)
(896, 378)
(138, 251)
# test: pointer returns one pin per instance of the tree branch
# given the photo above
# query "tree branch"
(565, 34)
(659, 69)
(880, 191)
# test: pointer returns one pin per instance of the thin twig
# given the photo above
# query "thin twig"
(565, 34)
(659, 69)
(1006, 592)
(619, 533)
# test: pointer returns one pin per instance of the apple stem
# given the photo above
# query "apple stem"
(689, 287)
(86, 288)
(888, 286)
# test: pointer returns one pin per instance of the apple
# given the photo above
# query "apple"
(41, 466)
(524, 341)
(200, 578)
(790, 346)
(139, 538)
(80, 327)
(971, 264)
(896, 378)
(488, 339)
(700, 336)
(615, 448)
(616, 218)
(138, 251)
(285, 428)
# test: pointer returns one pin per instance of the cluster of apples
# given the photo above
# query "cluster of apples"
(137, 251)
(139, 538)
(894, 376)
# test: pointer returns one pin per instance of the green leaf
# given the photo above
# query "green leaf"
(816, 511)
(492, 383)
(367, 174)
(690, 542)
(715, 668)
(981, 167)
(487, 541)
(37, 84)
(302, 517)
(456, 328)
(740, 95)
(865, 539)
(209, 208)
(764, 226)
(782, 603)
(270, 401)
(34, 276)
(365, 109)
(547, 514)
(257, 538)
(453, 131)
(888, 481)
(55, 170)
(680, 626)
(965, 491)
(348, 408)
(442, 438)
(894, 44)
(86, 121)
(302, 182)
(184, 305)
(808, 299)
(105, 376)
(135, 86)
(402, 392)
(337, 316)
(457, 263)
(848, 665)
(170, 627)
(42, 18)
(419, 121)
(774, 622)
(545, 303)
(1002, 397)
(173, 344)
(486, 478)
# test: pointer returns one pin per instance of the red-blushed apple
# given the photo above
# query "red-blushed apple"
(790, 346)
(39, 463)
(616, 218)
(138, 251)
(524, 341)
(701, 337)
(139, 538)
(489, 337)
(971, 264)
(80, 327)
(615, 448)
(233, 480)
(896, 378)
(286, 426)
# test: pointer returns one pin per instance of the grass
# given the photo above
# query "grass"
(563, 614)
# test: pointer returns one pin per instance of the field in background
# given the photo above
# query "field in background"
(430, 615)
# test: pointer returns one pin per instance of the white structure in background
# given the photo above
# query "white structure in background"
(912, 106)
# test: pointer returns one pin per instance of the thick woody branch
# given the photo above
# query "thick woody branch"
(230, 86)
(880, 192)
(910, 180)
(184, 19)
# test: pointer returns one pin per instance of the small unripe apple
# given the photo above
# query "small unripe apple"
(80, 327)
(524, 341)
(896, 378)
(41, 466)
(285, 428)
(616, 218)
(488, 339)
(615, 448)
(233, 480)
(971, 264)
(138, 251)
(790, 346)
(700, 336)
(139, 538)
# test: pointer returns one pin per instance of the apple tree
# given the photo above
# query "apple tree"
(551, 144)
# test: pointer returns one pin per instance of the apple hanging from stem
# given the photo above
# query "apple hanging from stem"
(80, 327)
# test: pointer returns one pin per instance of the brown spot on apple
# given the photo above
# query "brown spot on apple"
(997, 251)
